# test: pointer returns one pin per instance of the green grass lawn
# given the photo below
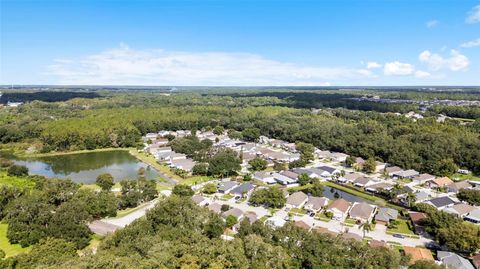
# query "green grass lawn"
(10, 250)
(298, 211)
(350, 221)
(226, 197)
(19, 182)
(402, 228)
(322, 217)
(465, 177)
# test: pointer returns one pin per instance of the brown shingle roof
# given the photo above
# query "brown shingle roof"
(417, 216)
(442, 181)
(302, 224)
(418, 254)
(340, 204)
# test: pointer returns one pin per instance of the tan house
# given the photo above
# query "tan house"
(439, 182)
(339, 208)
(362, 212)
(296, 200)
(418, 254)
(315, 204)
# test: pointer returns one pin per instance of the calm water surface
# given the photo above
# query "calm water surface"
(329, 192)
(85, 167)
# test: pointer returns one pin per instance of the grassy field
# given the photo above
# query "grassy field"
(465, 177)
(402, 228)
(60, 153)
(19, 182)
(10, 250)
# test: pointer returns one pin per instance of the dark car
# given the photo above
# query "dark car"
(312, 214)
(398, 235)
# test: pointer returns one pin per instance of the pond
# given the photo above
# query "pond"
(329, 192)
(85, 167)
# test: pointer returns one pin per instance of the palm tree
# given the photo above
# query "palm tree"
(366, 227)
(411, 198)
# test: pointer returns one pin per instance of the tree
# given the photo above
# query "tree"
(350, 161)
(209, 188)
(370, 165)
(182, 190)
(257, 164)
(105, 181)
(230, 221)
(200, 169)
(306, 151)
(224, 208)
(251, 134)
(411, 199)
(470, 196)
(422, 264)
(214, 227)
(17, 170)
(280, 166)
(232, 134)
(315, 190)
(304, 179)
(218, 130)
(224, 163)
(297, 163)
(50, 252)
(271, 197)
(98, 205)
(366, 228)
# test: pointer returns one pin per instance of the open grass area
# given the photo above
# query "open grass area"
(226, 197)
(19, 182)
(60, 153)
(124, 212)
(322, 217)
(350, 221)
(402, 228)
(298, 211)
(10, 249)
(459, 176)
(196, 180)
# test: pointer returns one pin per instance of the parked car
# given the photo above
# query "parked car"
(312, 214)
(398, 235)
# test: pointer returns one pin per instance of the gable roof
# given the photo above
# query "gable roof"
(289, 174)
(340, 204)
(361, 210)
(225, 186)
(417, 216)
(328, 169)
(386, 214)
(352, 176)
(418, 254)
(460, 209)
(442, 181)
(441, 201)
(392, 169)
(233, 212)
(453, 260)
(459, 185)
(215, 207)
(198, 199)
(362, 180)
(244, 188)
(297, 198)
(316, 202)
(424, 177)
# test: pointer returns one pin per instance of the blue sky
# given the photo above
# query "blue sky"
(335, 42)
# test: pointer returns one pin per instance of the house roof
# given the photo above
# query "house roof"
(340, 204)
(251, 216)
(459, 185)
(453, 260)
(362, 180)
(418, 254)
(406, 173)
(476, 261)
(378, 244)
(244, 188)
(475, 214)
(215, 207)
(352, 176)
(441, 201)
(460, 209)
(233, 212)
(393, 169)
(289, 174)
(417, 216)
(316, 202)
(381, 185)
(361, 210)
(323, 230)
(424, 177)
(327, 169)
(351, 236)
(386, 214)
(297, 198)
(301, 224)
(198, 199)
(262, 175)
(225, 186)
(442, 181)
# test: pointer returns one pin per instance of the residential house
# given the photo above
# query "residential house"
(473, 216)
(455, 187)
(417, 219)
(315, 204)
(362, 212)
(301, 224)
(250, 216)
(284, 180)
(441, 202)
(421, 196)
(323, 154)
(243, 190)
(177, 156)
(237, 213)
(199, 200)
(151, 136)
(378, 244)
(338, 156)
(460, 209)
(385, 215)
(392, 169)
(379, 186)
(453, 261)
(226, 187)
(290, 147)
(359, 163)
(296, 200)
(350, 177)
(352, 236)
(265, 177)
(422, 178)
(290, 174)
(330, 171)
(476, 261)
(439, 182)
(275, 222)
(215, 207)
(339, 208)
(362, 181)
(184, 164)
(380, 167)
(418, 254)
(409, 174)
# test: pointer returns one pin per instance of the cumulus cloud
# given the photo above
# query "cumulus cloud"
(124, 65)
(373, 65)
(473, 15)
(422, 74)
(397, 68)
(431, 24)
(471, 44)
(456, 61)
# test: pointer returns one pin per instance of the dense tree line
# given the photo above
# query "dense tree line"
(468, 112)
(179, 234)
(45, 96)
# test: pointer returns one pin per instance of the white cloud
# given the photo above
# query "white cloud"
(473, 15)
(471, 44)
(373, 65)
(456, 61)
(124, 65)
(397, 68)
(431, 24)
(422, 74)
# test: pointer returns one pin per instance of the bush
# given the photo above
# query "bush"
(17, 170)
(328, 214)
(209, 188)
(200, 169)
